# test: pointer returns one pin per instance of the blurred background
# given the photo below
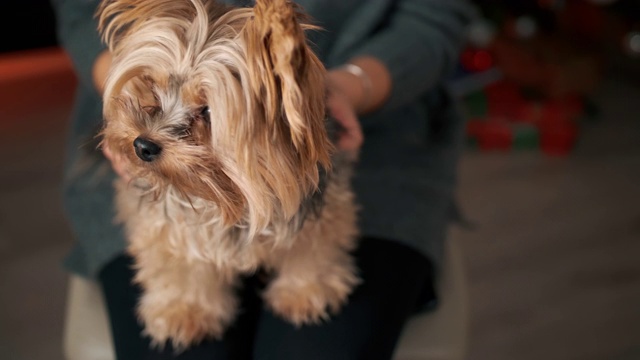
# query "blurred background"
(549, 180)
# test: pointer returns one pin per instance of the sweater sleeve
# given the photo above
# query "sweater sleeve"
(419, 44)
(78, 35)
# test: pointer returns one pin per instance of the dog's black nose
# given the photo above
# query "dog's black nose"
(146, 150)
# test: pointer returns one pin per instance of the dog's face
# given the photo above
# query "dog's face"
(217, 103)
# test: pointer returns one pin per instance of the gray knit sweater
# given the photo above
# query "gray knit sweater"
(405, 179)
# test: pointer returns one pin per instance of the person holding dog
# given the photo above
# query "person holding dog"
(387, 62)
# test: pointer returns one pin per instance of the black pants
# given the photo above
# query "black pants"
(397, 281)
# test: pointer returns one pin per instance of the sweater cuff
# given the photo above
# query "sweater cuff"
(410, 74)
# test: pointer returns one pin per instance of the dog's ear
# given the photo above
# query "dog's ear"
(287, 79)
(117, 18)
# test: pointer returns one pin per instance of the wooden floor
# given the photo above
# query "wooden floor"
(553, 263)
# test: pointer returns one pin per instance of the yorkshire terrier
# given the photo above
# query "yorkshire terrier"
(221, 113)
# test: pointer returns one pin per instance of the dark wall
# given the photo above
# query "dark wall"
(26, 24)
(36, 22)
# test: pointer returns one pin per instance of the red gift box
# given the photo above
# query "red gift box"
(558, 138)
(494, 134)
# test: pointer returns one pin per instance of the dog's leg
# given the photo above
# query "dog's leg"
(312, 283)
(316, 274)
(183, 302)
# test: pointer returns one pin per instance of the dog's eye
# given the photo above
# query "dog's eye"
(205, 113)
(152, 110)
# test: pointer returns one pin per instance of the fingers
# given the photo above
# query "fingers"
(350, 137)
(100, 70)
(119, 164)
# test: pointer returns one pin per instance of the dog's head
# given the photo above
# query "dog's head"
(217, 103)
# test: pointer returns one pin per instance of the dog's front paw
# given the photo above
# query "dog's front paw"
(185, 324)
(308, 302)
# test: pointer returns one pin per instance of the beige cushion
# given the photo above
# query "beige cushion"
(86, 333)
(440, 335)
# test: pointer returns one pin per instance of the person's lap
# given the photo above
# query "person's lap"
(396, 281)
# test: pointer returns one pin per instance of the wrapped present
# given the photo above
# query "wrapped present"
(501, 118)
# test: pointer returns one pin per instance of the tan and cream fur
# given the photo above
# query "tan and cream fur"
(220, 113)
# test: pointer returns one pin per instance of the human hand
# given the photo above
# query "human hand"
(119, 163)
(352, 93)
(350, 136)
(101, 67)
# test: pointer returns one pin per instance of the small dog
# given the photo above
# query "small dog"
(221, 113)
